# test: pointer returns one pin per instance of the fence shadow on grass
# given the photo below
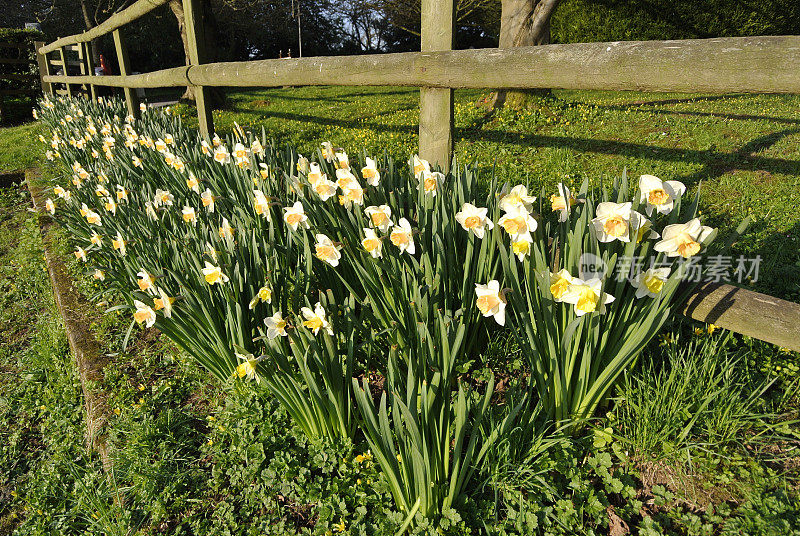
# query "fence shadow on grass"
(646, 107)
(280, 94)
(714, 163)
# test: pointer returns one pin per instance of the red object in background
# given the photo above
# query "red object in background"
(103, 65)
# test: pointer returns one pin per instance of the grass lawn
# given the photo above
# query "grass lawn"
(743, 149)
(687, 449)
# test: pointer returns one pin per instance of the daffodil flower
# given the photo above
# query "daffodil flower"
(614, 221)
(144, 314)
(521, 246)
(491, 301)
(163, 197)
(213, 274)
(379, 217)
(431, 181)
(150, 211)
(419, 165)
(276, 326)
(119, 244)
(684, 239)
(99, 275)
(96, 239)
(256, 147)
(325, 189)
(80, 254)
(92, 217)
(295, 216)
(189, 215)
(137, 162)
(315, 174)
(326, 250)
(239, 151)
(161, 145)
(562, 202)
(263, 171)
(146, 281)
(101, 191)
(559, 283)
(50, 206)
(302, 164)
(327, 151)
(372, 243)
(221, 155)
(517, 197)
(371, 173)
(585, 296)
(163, 301)
(247, 367)
(474, 219)
(315, 320)
(344, 178)
(111, 205)
(193, 183)
(659, 195)
(352, 195)
(225, 230)
(518, 223)
(403, 237)
(264, 294)
(261, 204)
(650, 282)
(207, 198)
(341, 160)
(210, 251)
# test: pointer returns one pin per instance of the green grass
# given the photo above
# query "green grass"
(17, 148)
(743, 149)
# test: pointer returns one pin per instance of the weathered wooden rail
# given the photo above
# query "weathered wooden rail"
(765, 64)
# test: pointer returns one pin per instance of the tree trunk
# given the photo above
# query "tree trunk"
(523, 23)
(209, 31)
(176, 6)
(88, 22)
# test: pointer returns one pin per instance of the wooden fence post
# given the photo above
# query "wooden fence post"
(124, 70)
(87, 67)
(436, 104)
(64, 68)
(193, 19)
(44, 68)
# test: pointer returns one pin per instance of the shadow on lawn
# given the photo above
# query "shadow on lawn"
(714, 163)
(779, 266)
(646, 107)
(263, 94)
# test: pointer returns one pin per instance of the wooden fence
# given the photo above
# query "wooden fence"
(743, 64)
(20, 63)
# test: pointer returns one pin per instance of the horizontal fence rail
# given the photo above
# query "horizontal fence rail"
(731, 64)
(130, 14)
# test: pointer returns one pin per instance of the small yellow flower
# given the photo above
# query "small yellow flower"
(213, 274)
